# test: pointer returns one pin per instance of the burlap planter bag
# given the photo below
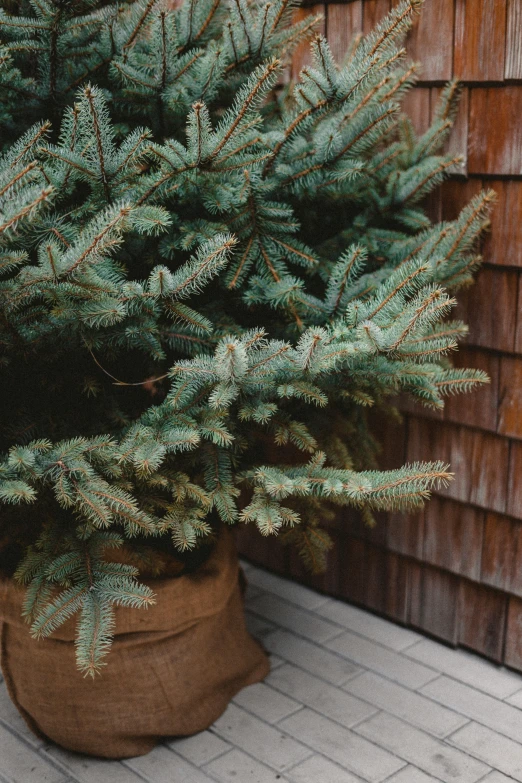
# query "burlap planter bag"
(172, 670)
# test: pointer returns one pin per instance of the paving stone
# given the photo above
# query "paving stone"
(496, 777)
(317, 769)
(237, 767)
(275, 661)
(466, 667)
(499, 752)
(293, 618)
(290, 591)
(258, 626)
(515, 699)
(381, 660)
(421, 750)
(315, 693)
(266, 743)
(265, 702)
(20, 764)
(12, 720)
(162, 765)
(251, 592)
(412, 775)
(403, 703)
(316, 660)
(341, 745)
(201, 748)
(368, 625)
(86, 769)
(478, 706)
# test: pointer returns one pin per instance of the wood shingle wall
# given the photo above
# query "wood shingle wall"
(455, 570)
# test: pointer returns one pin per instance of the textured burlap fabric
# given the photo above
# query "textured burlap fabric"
(171, 672)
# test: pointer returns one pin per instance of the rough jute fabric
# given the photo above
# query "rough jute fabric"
(171, 672)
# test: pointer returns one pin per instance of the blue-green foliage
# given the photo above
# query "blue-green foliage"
(208, 280)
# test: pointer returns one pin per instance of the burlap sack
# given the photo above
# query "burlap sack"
(171, 672)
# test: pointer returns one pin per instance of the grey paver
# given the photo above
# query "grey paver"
(352, 752)
(313, 658)
(275, 661)
(496, 777)
(317, 769)
(368, 625)
(12, 720)
(20, 764)
(86, 769)
(293, 592)
(164, 766)
(420, 749)
(258, 626)
(287, 615)
(478, 706)
(515, 699)
(266, 703)
(326, 699)
(494, 749)
(466, 667)
(403, 703)
(237, 767)
(266, 743)
(412, 775)
(381, 660)
(201, 748)
(251, 592)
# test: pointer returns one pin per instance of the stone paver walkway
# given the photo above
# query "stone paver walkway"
(350, 698)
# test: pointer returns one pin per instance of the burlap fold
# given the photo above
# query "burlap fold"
(172, 670)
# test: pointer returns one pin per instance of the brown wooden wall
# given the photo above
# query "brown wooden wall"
(455, 570)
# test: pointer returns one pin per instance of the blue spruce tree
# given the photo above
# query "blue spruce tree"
(210, 279)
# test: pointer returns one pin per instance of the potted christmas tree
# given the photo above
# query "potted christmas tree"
(210, 278)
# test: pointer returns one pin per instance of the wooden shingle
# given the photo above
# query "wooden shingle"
(502, 554)
(343, 23)
(482, 619)
(513, 652)
(434, 608)
(489, 307)
(513, 66)
(495, 130)
(373, 12)
(397, 587)
(405, 534)
(503, 244)
(514, 484)
(375, 582)
(457, 142)
(510, 403)
(453, 537)
(518, 336)
(352, 575)
(456, 194)
(416, 104)
(478, 459)
(479, 407)
(431, 40)
(480, 29)
(302, 55)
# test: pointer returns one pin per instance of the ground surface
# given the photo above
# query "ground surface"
(350, 698)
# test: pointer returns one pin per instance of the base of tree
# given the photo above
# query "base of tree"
(172, 669)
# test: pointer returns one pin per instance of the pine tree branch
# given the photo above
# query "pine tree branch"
(249, 100)
(99, 143)
(135, 32)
